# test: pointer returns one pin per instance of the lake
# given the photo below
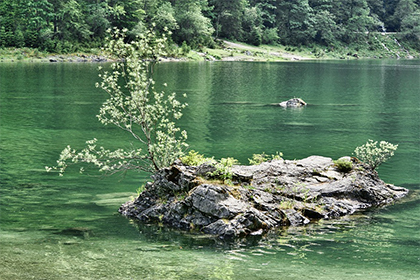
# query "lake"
(68, 227)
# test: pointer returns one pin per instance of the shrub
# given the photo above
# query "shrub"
(270, 36)
(343, 165)
(185, 49)
(223, 169)
(193, 158)
(277, 156)
(258, 159)
(374, 155)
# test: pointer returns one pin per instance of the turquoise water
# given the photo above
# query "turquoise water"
(68, 227)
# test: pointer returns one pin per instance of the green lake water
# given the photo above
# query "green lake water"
(68, 227)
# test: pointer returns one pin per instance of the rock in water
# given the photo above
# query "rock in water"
(262, 197)
(293, 103)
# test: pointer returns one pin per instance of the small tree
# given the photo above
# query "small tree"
(136, 107)
(373, 155)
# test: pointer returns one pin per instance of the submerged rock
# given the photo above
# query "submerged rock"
(76, 232)
(293, 103)
(262, 197)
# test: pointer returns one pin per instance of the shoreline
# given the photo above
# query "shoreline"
(286, 57)
(230, 51)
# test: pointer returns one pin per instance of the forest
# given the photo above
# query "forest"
(65, 26)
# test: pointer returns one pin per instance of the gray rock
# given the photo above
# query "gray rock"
(211, 200)
(293, 103)
(294, 218)
(264, 197)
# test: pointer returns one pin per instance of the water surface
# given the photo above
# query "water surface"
(68, 227)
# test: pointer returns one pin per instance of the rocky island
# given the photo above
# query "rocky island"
(293, 103)
(261, 197)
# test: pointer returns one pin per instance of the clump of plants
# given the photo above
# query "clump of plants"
(141, 189)
(260, 158)
(194, 158)
(185, 49)
(373, 154)
(224, 169)
(343, 165)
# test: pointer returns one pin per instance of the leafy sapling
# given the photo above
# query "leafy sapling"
(136, 107)
(374, 155)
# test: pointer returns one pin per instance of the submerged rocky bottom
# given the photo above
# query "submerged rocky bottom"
(259, 198)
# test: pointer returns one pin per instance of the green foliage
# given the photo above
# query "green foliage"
(270, 36)
(19, 39)
(51, 24)
(410, 26)
(255, 37)
(287, 204)
(185, 49)
(194, 27)
(223, 169)
(141, 189)
(251, 25)
(325, 29)
(193, 158)
(260, 158)
(135, 107)
(297, 18)
(343, 165)
(277, 156)
(228, 18)
(374, 155)
(165, 18)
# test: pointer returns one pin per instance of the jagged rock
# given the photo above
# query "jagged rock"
(263, 197)
(216, 201)
(293, 103)
(295, 218)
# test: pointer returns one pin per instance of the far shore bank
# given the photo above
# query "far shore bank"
(230, 51)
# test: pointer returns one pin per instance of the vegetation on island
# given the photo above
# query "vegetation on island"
(321, 27)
